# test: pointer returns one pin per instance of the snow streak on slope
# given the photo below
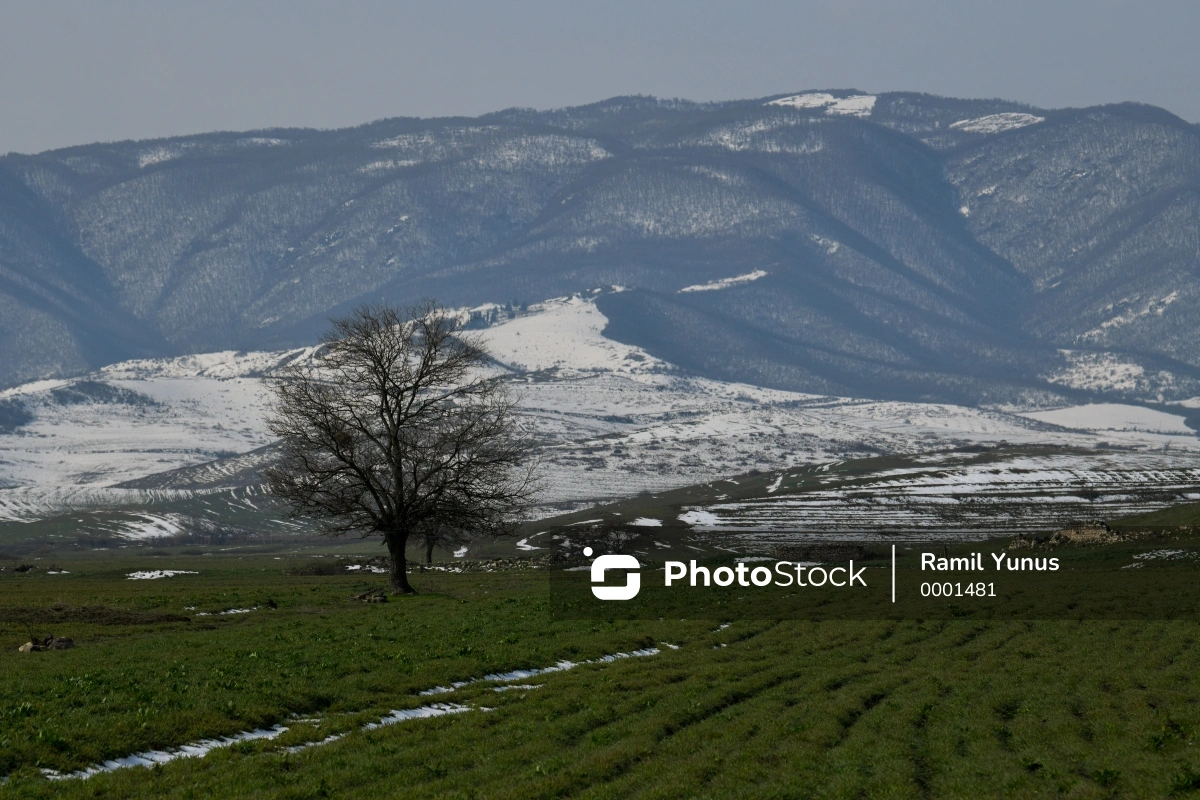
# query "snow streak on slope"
(25, 503)
(1106, 372)
(957, 496)
(996, 123)
(1132, 309)
(725, 283)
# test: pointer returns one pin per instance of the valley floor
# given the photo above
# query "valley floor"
(698, 708)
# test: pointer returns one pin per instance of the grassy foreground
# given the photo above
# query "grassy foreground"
(757, 709)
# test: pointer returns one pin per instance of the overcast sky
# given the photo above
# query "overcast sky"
(77, 72)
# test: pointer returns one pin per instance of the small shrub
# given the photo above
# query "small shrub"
(1186, 781)
(1007, 709)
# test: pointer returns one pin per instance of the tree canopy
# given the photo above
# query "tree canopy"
(395, 428)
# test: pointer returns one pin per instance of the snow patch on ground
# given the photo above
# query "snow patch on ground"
(1135, 309)
(831, 245)
(176, 420)
(647, 522)
(227, 612)
(424, 712)
(956, 496)
(565, 334)
(152, 526)
(34, 387)
(158, 155)
(153, 758)
(222, 364)
(698, 519)
(1102, 372)
(386, 164)
(1152, 555)
(525, 674)
(155, 574)
(859, 105)
(23, 504)
(262, 141)
(996, 123)
(1114, 417)
(757, 135)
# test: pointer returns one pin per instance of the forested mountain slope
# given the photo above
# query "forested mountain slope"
(899, 245)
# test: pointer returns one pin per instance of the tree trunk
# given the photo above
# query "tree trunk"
(429, 550)
(399, 577)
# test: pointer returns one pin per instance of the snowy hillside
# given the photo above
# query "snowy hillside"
(957, 496)
(613, 420)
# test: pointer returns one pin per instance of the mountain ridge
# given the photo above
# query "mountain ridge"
(910, 243)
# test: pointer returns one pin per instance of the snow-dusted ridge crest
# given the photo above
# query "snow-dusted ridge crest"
(858, 105)
(224, 364)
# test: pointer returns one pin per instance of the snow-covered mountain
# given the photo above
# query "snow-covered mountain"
(140, 447)
(894, 246)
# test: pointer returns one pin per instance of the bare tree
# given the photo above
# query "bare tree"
(444, 536)
(394, 430)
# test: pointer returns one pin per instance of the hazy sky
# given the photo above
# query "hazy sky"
(76, 72)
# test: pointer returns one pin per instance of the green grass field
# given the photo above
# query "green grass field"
(1183, 515)
(757, 709)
